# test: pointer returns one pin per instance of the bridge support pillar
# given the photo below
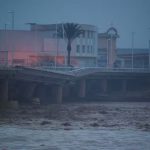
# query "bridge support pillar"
(124, 86)
(66, 91)
(104, 85)
(59, 94)
(4, 90)
(30, 89)
(82, 88)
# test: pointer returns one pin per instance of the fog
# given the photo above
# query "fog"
(126, 15)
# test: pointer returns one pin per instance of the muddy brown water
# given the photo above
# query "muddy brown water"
(17, 138)
(92, 126)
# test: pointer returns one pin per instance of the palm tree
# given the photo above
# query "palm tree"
(70, 31)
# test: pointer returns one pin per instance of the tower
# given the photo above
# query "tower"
(107, 47)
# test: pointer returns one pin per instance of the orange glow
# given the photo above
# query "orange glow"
(60, 60)
(34, 58)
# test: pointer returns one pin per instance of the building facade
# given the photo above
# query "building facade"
(41, 46)
(136, 58)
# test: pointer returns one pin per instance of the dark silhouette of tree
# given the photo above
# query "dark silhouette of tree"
(69, 31)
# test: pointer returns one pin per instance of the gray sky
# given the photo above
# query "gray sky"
(126, 15)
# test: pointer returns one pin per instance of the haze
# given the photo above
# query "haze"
(126, 16)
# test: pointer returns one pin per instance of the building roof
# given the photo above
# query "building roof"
(46, 27)
(123, 51)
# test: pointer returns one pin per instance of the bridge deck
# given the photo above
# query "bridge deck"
(33, 74)
(43, 75)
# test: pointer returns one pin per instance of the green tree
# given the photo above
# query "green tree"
(69, 31)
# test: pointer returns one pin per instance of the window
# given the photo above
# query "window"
(83, 34)
(78, 49)
(88, 34)
(19, 61)
(83, 48)
(88, 49)
(92, 35)
(78, 40)
(54, 35)
(91, 49)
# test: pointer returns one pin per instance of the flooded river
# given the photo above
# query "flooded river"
(18, 138)
(88, 126)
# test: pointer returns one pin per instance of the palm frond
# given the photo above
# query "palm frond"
(70, 31)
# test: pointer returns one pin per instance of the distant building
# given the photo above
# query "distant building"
(41, 46)
(140, 58)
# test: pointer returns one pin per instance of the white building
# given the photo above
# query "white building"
(84, 48)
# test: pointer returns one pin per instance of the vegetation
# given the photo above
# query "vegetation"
(69, 31)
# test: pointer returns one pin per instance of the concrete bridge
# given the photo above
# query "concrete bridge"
(114, 84)
(23, 84)
(24, 81)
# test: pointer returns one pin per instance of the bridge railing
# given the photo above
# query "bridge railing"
(106, 69)
(91, 70)
(79, 70)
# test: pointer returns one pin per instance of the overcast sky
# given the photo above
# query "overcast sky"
(127, 16)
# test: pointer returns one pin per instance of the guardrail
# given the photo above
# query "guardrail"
(77, 69)
(106, 69)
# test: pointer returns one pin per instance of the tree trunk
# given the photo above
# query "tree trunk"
(69, 51)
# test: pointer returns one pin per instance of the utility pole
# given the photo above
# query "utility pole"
(56, 54)
(149, 50)
(111, 50)
(5, 26)
(12, 26)
(132, 49)
(107, 54)
(12, 19)
(63, 37)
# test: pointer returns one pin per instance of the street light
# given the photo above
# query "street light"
(149, 48)
(111, 50)
(5, 26)
(63, 39)
(13, 19)
(12, 13)
(149, 52)
(132, 49)
(108, 52)
(56, 54)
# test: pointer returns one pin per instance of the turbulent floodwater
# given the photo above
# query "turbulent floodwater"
(17, 138)
(88, 126)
